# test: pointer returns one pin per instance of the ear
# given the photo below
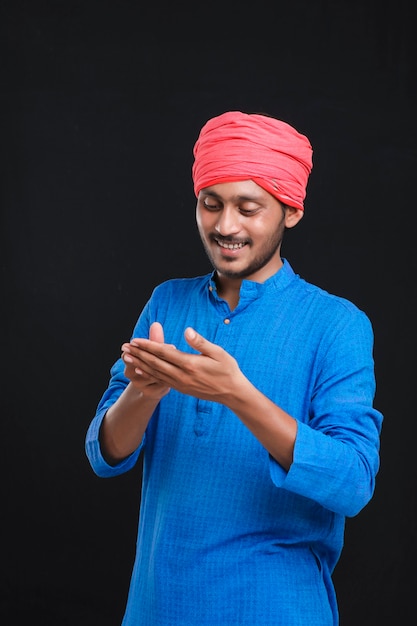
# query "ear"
(292, 216)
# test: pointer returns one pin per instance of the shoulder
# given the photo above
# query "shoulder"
(311, 291)
(320, 305)
(333, 310)
(180, 287)
(327, 298)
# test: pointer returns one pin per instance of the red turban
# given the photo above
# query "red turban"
(240, 146)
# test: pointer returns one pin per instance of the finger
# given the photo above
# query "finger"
(133, 364)
(140, 345)
(130, 350)
(156, 332)
(198, 342)
(135, 373)
(126, 355)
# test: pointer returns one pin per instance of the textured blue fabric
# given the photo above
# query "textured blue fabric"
(226, 536)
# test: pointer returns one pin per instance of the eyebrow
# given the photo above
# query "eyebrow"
(207, 192)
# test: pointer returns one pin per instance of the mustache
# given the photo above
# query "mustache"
(227, 239)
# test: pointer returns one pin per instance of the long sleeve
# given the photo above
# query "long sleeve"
(336, 456)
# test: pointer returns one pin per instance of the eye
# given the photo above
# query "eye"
(211, 205)
(248, 212)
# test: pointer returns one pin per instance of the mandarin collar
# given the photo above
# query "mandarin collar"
(251, 290)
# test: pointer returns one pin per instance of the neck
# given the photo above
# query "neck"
(229, 289)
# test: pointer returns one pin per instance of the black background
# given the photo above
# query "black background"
(101, 103)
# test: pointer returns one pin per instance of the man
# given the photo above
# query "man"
(250, 394)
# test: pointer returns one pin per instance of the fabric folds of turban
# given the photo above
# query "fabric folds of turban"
(240, 146)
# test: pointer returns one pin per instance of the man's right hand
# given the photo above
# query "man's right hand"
(145, 383)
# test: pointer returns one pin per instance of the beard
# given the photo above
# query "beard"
(269, 249)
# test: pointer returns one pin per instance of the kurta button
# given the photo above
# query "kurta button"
(227, 321)
(210, 288)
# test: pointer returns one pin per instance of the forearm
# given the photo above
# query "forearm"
(273, 427)
(214, 375)
(125, 423)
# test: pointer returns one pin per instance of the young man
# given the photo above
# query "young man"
(250, 394)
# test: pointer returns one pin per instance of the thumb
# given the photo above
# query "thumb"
(198, 342)
(156, 332)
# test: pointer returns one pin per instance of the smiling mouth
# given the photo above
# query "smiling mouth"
(229, 245)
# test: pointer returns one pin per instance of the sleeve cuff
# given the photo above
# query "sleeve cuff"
(95, 456)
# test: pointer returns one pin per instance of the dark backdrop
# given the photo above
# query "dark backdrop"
(101, 103)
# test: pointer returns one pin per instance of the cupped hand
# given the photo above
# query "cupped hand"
(145, 382)
(212, 374)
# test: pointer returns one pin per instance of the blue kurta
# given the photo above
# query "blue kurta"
(227, 536)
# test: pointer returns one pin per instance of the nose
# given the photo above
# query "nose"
(228, 222)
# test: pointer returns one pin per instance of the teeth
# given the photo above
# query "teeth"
(230, 246)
